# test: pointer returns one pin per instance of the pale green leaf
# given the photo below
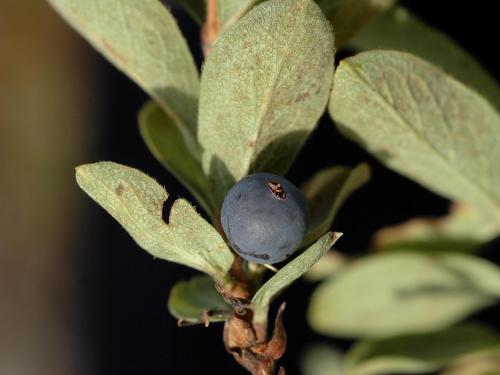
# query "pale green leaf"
(165, 142)
(197, 300)
(403, 292)
(332, 262)
(462, 230)
(423, 124)
(419, 353)
(325, 193)
(136, 201)
(230, 11)
(321, 359)
(349, 16)
(142, 39)
(289, 273)
(264, 86)
(398, 29)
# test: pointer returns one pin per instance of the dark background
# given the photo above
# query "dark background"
(123, 315)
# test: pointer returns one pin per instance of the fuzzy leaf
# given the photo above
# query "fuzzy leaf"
(190, 300)
(136, 201)
(399, 29)
(142, 39)
(462, 230)
(423, 124)
(325, 193)
(289, 273)
(264, 86)
(230, 11)
(403, 292)
(419, 353)
(349, 16)
(165, 142)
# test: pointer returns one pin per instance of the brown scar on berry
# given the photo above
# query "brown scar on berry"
(277, 190)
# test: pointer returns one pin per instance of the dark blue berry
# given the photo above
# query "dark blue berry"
(264, 217)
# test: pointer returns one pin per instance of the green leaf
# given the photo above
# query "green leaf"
(165, 142)
(195, 8)
(141, 38)
(331, 263)
(462, 230)
(349, 16)
(197, 300)
(403, 292)
(399, 29)
(264, 86)
(419, 353)
(136, 201)
(230, 11)
(423, 124)
(321, 359)
(325, 193)
(289, 273)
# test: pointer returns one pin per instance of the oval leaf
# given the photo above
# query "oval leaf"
(403, 292)
(423, 124)
(264, 86)
(462, 230)
(289, 273)
(230, 11)
(419, 353)
(197, 301)
(349, 16)
(142, 39)
(165, 142)
(399, 29)
(325, 193)
(136, 201)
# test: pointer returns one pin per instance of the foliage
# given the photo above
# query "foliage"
(263, 88)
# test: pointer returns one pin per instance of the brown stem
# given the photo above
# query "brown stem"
(249, 345)
(210, 28)
(245, 339)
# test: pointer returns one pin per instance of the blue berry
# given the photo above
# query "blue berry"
(264, 217)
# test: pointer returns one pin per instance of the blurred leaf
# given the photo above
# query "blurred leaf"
(462, 230)
(325, 193)
(349, 16)
(264, 86)
(332, 262)
(484, 363)
(321, 359)
(289, 273)
(165, 142)
(189, 301)
(136, 201)
(419, 353)
(423, 124)
(195, 8)
(398, 29)
(142, 39)
(403, 292)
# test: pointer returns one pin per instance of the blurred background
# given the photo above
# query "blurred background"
(77, 296)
